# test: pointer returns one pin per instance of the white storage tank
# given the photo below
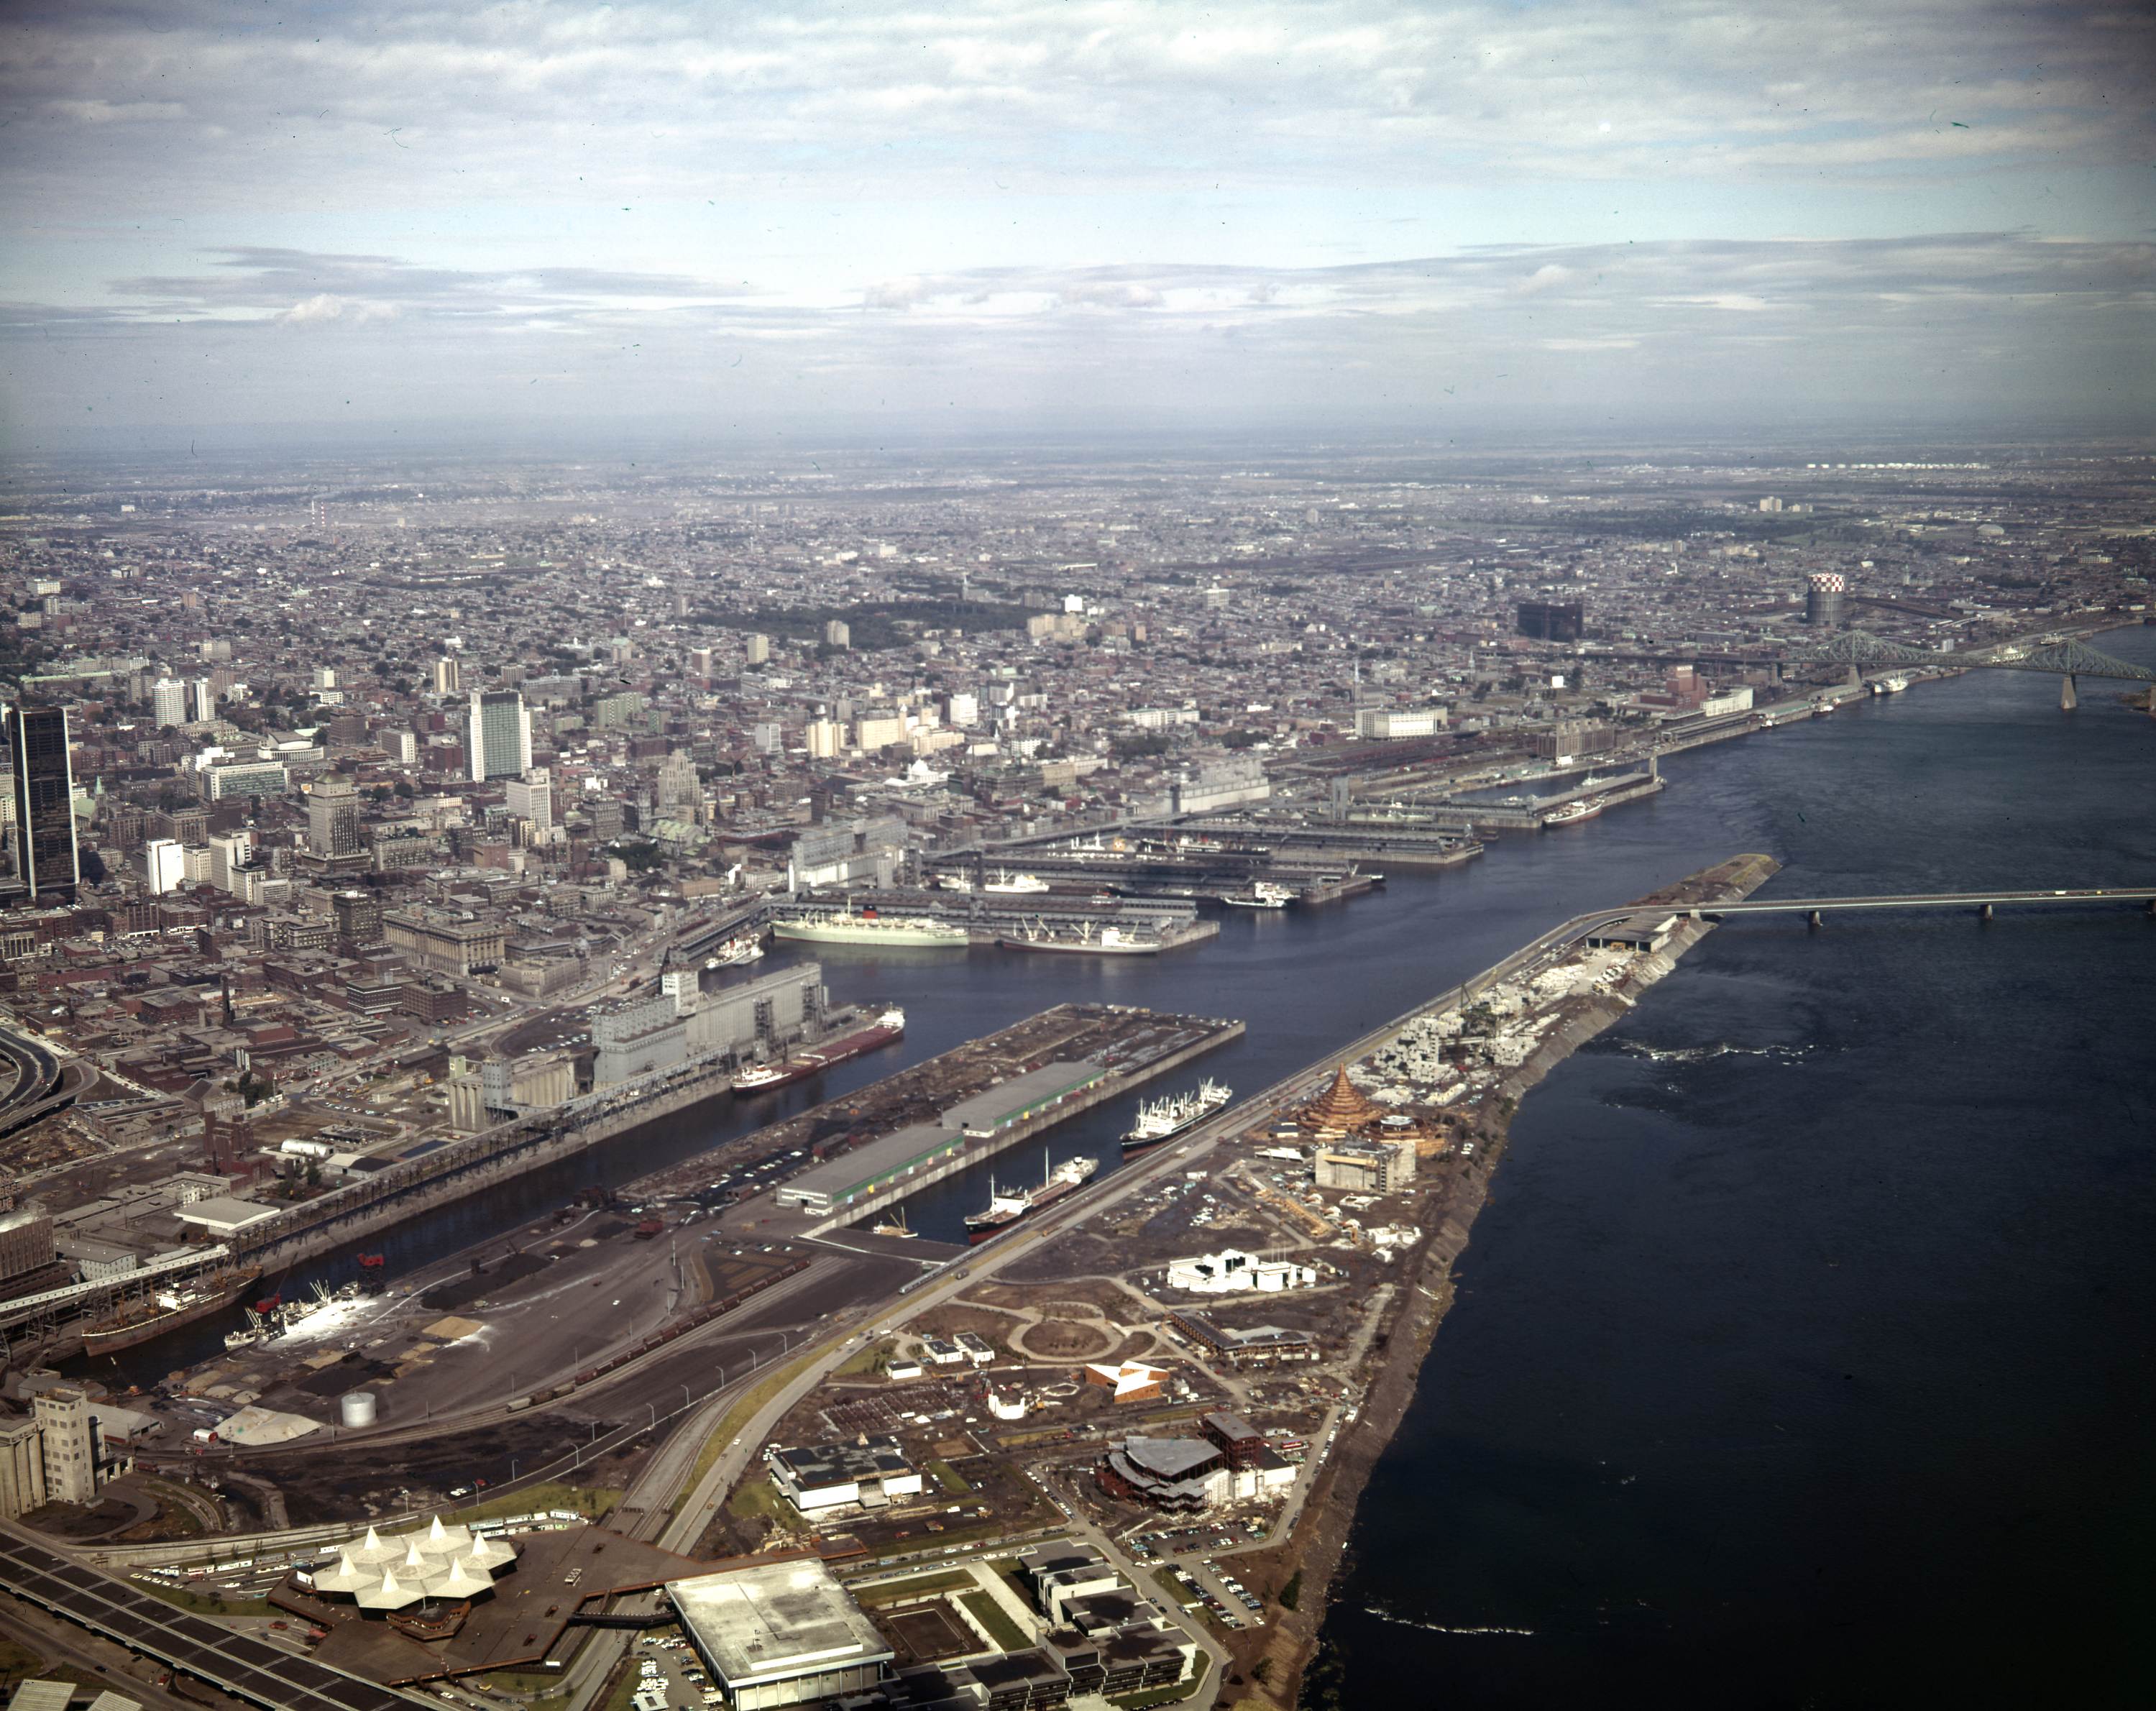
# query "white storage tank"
(358, 1408)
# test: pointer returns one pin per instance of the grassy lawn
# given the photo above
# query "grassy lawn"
(937, 1541)
(1174, 1588)
(914, 1586)
(758, 1497)
(1156, 1696)
(19, 1663)
(544, 1686)
(949, 1477)
(205, 1606)
(990, 1616)
(176, 1508)
(623, 1695)
(869, 1360)
(737, 1417)
(590, 1502)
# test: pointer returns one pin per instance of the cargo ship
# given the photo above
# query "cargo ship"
(844, 926)
(166, 1310)
(762, 1077)
(1263, 895)
(1006, 1206)
(1108, 942)
(1003, 885)
(1585, 807)
(1164, 1119)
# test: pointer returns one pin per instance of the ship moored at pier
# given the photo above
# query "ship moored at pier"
(166, 1310)
(763, 1077)
(1164, 1119)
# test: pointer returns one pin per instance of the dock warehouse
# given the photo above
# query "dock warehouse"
(779, 1633)
(853, 1176)
(1021, 1099)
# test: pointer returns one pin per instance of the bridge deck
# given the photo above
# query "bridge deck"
(1929, 900)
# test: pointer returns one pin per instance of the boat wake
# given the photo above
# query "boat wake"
(1408, 1621)
(1700, 1054)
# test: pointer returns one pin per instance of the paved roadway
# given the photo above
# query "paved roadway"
(39, 1078)
(239, 1664)
(1922, 900)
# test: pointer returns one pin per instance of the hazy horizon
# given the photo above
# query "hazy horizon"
(1477, 223)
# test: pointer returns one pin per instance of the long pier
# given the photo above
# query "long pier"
(1127, 1078)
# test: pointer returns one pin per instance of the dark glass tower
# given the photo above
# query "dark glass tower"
(44, 800)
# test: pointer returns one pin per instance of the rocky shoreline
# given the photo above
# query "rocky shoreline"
(1287, 1669)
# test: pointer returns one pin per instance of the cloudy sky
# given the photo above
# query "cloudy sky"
(757, 218)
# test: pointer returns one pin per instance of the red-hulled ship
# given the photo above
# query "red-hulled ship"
(762, 1077)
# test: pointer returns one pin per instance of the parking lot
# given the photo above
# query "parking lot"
(669, 1676)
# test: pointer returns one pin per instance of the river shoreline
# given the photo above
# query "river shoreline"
(1316, 1552)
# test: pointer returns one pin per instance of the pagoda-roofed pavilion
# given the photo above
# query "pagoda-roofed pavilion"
(1341, 1109)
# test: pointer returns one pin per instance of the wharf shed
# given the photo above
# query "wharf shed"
(854, 1176)
(1022, 1098)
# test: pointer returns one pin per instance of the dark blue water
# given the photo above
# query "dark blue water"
(1805, 1356)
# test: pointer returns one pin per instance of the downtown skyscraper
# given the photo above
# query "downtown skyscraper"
(42, 844)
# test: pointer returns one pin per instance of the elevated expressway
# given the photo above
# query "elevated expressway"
(42, 1083)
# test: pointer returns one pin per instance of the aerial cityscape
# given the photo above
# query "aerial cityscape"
(1287, 967)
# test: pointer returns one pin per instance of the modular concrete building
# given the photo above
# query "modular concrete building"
(1231, 1270)
(777, 1633)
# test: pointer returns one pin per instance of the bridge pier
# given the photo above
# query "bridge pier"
(1984, 914)
(1854, 677)
(1814, 920)
(2068, 700)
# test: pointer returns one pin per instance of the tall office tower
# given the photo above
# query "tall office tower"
(333, 819)
(448, 679)
(44, 800)
(500, 743)
(838, 634)
(169, 701)
(1548, 620)
(1824, 595)
(532, 798)
(204, 697)
(700, 664)
(164, 866)
(358, 918)
(759, 649)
